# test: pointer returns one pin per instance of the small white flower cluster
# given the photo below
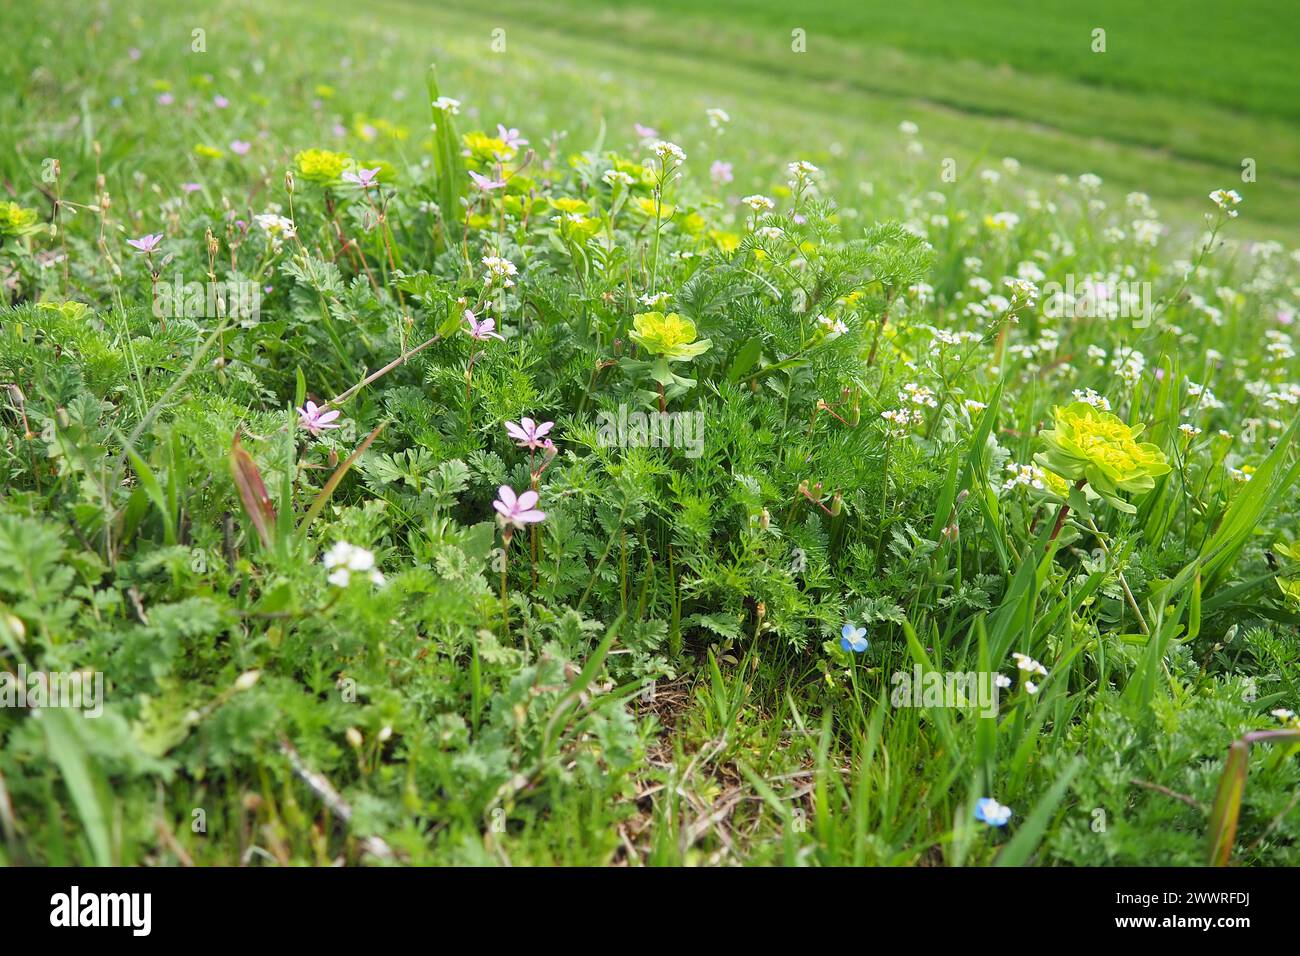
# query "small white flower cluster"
(277, 227)
(445, 104)
(343, 559)
(1027, 667)
(616, 177)
(499, 270)
(759, 203)
(1088, 396)
(1129, 365)
(670, 154)
(1023, 292)
(802, 172)
(901, 420)
(1027, 476)
(1226, 199)
(833, 328)
(1204, 398)
(1279, 345)
(946, 337)
(718, 118)
(918, 395)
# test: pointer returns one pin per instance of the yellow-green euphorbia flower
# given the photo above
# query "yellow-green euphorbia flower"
(16, 221)
(668, 335)
(1095, 445)
(321, 165)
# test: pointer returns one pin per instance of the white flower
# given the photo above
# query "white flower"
(1225, 199)
(717, 117)
(801, 168)
(445, 104)
(616, 176)
(277, 227)
(1092, 398)
(670, 154)
(759, 203)
(833, 328)
(342, 559)
(908, 128)
(1029, 665)
(1028, 476)
(500, 269)
(1002, 680)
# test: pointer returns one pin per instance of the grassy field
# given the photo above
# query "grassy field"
(934, 566)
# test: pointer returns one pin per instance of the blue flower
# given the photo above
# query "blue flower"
(853, 638)
(991, 812)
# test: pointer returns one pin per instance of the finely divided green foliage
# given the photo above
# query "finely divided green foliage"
(653, 674)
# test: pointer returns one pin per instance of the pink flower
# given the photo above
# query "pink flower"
(1285, 316)
(365, 178)
(528, 433)
(483, 330)
(510, 136)
(316, 419)
(240, 148)
(190, 187)
(721, 172)
(166, 99)
(646, 132)
(517, 511)
(486, 184)
(134, 53)
(220, 102)
(146, 244)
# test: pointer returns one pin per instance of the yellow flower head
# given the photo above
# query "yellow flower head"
(207, 152)
(727, 242)
(1095, 445)
(668, 335)
(321, 166)
(16, 221)
(486, 149)
(570, 204)
(646, 207)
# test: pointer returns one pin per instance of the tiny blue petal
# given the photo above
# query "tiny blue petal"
(988, 810)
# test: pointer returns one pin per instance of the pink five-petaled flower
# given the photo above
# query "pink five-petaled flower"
(528, 433)
(365, 178)
(486, 184)
(146, 244)
(517, 511)
(510, 136)
(482, 330)
(316, 419)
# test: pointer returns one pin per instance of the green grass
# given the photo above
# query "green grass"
(657, 677)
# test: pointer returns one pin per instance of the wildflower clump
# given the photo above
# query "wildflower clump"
(669, 335)
(321, 166)
(1096, 446)
(15, 221)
